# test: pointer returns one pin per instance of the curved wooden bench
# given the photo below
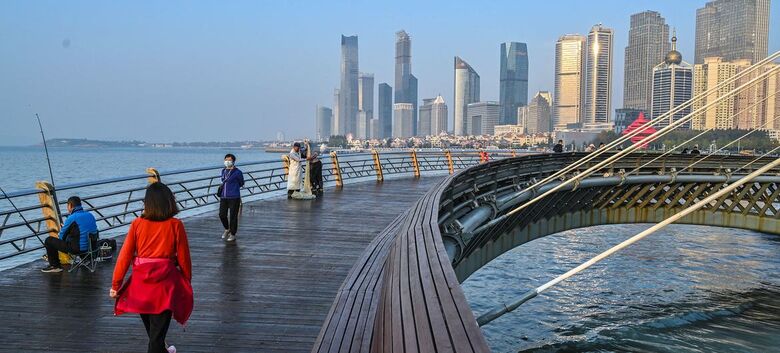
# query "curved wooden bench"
(402, 295)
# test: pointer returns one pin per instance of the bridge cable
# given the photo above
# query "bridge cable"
(710, 129)
(652, 122)
(628, 150)
(505, 308)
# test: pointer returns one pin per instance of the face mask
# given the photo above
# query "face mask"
(228, 164)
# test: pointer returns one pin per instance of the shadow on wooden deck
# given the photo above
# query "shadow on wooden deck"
(269, 292)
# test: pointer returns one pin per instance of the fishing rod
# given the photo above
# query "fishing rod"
(51, 173)
(45, 148)
(20, 215)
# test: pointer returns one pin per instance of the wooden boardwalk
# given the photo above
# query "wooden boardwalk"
(269, 292)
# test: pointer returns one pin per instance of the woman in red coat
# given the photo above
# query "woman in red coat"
(159, 286)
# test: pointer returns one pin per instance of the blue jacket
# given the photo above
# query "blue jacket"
(79, 222)
(232, 182)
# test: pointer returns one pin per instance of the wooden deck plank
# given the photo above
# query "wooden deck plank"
(270, 292)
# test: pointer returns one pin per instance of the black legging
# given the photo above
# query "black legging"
(157, 328)
(234, 205)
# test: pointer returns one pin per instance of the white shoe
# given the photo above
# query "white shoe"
(231, 237)
(171, 349)
(225, 234)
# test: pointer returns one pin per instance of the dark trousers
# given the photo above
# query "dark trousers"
(55, 245)
(316, 175)
(234, 206)
(157, 328)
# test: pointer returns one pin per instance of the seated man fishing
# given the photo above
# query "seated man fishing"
(73, 237)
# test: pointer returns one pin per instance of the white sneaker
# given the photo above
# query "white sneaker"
(171, 349)
(231, 237)
(225, 234)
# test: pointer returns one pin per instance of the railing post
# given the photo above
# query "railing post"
(449, 161)
(377, 166)
(51, 211)
(334, 158)
(416, 164)
(154, 175)
(286, 164)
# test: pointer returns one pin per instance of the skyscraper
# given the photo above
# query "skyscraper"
(648, 42)
(466, 92)
(402, 120)
(732, 29)
(672, 86)
(424, 121)
(706, 76)
(598, 76)
(539, 113)
(385, 112)
(439, 116)
(569, 79)
(758, 106)
(348, 94)
(323, 123)
(514, 80)
(365, 103)
(483, 118)
(405, 82)
(335, 127)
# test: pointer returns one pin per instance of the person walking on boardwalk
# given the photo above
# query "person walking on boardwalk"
(294, 170)
(230, 197)
(159, 287)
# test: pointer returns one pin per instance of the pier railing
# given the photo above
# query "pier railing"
(117, 201)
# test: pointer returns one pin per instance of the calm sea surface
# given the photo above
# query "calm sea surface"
(684, 289)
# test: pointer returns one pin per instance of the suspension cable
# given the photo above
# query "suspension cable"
(655, 121)
(635, 146)
(505, 308)
(708, 130)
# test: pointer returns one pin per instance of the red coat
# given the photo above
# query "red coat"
(156, 285)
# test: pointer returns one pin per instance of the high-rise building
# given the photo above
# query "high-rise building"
(569, 79)
(539, 118)
(348, 94)
(424, 121)
(466, 92)
(483, 118)
(374, 127)
(439, 116)
(362, 130)
(706, 76)
(366, 93)
(385, 112)
(323, 123)
(402, 120)
(672, 86)
(598, 76)
(365, 103)
(648, 42)
(335, 127)
(405, 82)
(732, 29)
(758, 105)
(514, 80)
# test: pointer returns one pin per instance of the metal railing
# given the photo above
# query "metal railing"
(115, 202)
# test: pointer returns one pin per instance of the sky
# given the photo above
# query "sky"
(247, 70)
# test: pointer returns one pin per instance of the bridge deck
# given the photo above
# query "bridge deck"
(270, 292)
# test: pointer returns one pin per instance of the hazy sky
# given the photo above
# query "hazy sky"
(233, 70)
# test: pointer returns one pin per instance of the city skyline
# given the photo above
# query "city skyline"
(231, 82)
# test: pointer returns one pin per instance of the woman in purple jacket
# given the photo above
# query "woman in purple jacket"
(230, 197)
